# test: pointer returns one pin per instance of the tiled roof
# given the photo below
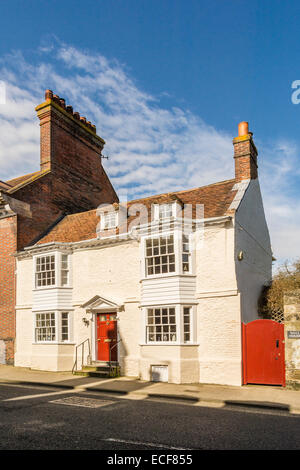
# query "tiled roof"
(21, 180)
(216, 199)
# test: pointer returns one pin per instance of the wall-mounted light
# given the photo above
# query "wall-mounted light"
(86, 321)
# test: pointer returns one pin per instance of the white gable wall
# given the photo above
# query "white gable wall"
(253, 240)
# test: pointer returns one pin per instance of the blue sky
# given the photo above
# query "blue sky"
(166, 82)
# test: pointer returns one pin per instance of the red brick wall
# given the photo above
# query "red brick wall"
(245, 155)
(8, 231)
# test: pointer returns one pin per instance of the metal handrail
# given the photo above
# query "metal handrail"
(82, 354)
(110, 350)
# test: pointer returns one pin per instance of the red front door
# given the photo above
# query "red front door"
(107, 337)
(263, 353)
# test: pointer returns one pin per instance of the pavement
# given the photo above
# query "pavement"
(207, 395)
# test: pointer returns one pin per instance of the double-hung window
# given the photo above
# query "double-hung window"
(64, 270)
(165, 211)
(160, 255)
(52, 270)
(52, 327)
(169, 324)
(45, 327)
(161, 324)
(109, 220)
(45, 271)
(185, 254)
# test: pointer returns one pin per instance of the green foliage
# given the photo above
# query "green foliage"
(287, 279)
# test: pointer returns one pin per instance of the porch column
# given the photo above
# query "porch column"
(292, 338)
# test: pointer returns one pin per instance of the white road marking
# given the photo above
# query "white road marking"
(149, 444)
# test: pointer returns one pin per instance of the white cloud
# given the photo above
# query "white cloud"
(152, 149)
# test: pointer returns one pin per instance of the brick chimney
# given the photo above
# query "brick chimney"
(245, 154)
(66, 137)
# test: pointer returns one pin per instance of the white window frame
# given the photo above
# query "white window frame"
(178, 253)
(157, 208)
(158, 236)
(179, 312)
(58, 270)
(45, 256)
(58, 327)
(104, 216)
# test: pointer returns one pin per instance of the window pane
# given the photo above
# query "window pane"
(45, 271)
(45, 329)
(164, 326)
(161, 256)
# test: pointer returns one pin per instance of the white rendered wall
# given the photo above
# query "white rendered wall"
(252, 238)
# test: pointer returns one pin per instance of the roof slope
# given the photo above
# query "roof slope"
(216, 199)
(20, 181)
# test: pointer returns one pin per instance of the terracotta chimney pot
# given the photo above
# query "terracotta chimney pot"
(48, 95)
(243, 128)
(62, 103)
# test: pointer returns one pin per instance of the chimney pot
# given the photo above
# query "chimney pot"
(48, 95)
(83, 119)
(69, 109)
(243, 128)
(62, 102)
(76, 115)
(56, 99)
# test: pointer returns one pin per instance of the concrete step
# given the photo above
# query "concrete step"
(100, 371)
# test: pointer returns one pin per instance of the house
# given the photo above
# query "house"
(159, 286)
(70, 179)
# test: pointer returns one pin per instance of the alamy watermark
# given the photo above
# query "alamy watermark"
(125, 220)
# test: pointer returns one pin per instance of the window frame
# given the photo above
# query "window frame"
(58, 257)
(58, 327)
(178, 253)
(36, 272)
(179, 322)
(157, 210)
(145, 257)
(109, 214)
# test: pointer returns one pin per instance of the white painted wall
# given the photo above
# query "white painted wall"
(252, 238)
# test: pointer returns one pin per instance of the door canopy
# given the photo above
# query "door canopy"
(100, 304)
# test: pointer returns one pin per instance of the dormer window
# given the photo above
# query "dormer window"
(109, 220)
(165, 211)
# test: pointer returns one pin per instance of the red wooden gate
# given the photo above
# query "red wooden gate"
(263, 353)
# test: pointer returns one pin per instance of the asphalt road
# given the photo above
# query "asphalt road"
(43, 418)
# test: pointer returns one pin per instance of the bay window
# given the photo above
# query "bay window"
(169, 324)
(167, 254)
(160, 255)
(52, 270)
(52, 327)
(161, 324)
(45, 271)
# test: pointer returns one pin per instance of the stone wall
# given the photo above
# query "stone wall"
(292, 338)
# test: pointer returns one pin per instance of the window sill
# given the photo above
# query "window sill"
(54, 343)
(37, 289)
